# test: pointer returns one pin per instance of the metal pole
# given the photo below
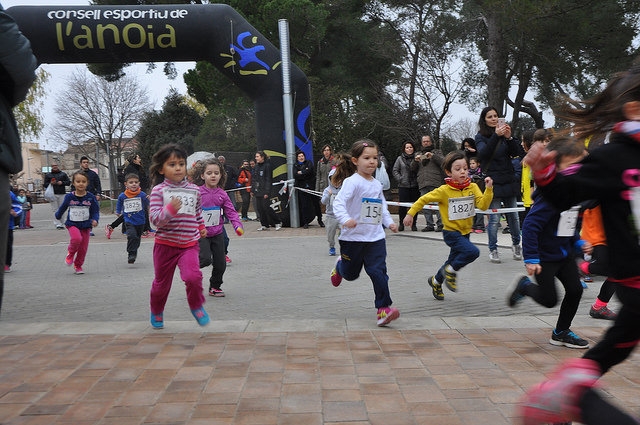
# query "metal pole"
(287, 104)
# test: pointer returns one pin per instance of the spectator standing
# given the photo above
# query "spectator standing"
(261, 189)
(304, 176)
(232, 179)
(428, 169)
(496, 148)
(244, 179)
(59, 180)
(407, 181)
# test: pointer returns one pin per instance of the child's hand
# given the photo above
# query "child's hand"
(587, 248)
(350, 224)
(538, 157)
(488, 182)
(203, 233)
(533, 268)
(94, 223)
(408, 220)
(239, 231)
(176, 203)
(13, 213)
(393, 227)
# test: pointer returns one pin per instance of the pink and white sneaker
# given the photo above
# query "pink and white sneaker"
(336, 278)
(227, 259)
(558, 399)
(386, 315)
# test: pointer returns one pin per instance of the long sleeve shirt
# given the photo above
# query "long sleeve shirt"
(443, 194)
(362, 200)
(176, 228)
(215, 204)
(83, 210)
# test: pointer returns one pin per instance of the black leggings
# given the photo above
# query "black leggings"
(545, 292)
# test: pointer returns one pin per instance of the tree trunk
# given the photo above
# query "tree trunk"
(496, 63)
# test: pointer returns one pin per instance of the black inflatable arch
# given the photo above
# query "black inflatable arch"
(213, 32)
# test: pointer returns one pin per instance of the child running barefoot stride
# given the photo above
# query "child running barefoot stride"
(84, 213)
(610, 175)
(457, 201)
(176, 211)
(361, 210)
(210, 177)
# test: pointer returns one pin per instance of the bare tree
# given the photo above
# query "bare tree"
(106, 112)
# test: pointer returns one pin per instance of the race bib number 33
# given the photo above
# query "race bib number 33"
(187, 196)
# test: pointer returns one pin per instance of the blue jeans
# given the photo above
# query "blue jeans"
(462, 252)
(371, 255)
(512, 220)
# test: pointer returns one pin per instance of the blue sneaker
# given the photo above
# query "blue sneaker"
(157, 321)
(201, 316)
(332, 251)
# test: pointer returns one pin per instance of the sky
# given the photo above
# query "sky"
(157, 84)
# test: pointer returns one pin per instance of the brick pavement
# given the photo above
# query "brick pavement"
(284, 347)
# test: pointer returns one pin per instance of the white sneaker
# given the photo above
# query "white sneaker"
(261, 228)
(517, 252)
(494, 257)
(278, 227)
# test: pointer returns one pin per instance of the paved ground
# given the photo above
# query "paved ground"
(284, 346)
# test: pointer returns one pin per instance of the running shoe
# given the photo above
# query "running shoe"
(386, 315)
(436, 288)
(518, 291)
(336, 278)
(278, 226)
(69, 259)
(568, 338)
(108, 230)
(494, 257)
(332, 252)
(78, 270)
(157, 321)
(602, 313)
(201, 316)
(216, 292)
(7, 269)
(227, 259)
(517, 252)
(450, 280)
(557, 400)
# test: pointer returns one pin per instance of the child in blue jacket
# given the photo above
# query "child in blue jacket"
(550, 241)
(132, 204)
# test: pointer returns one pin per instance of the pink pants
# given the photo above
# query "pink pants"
(165, 260)
(78, 244)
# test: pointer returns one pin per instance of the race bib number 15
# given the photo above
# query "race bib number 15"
(371, 211)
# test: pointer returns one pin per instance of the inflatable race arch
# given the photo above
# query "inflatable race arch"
(213, 32)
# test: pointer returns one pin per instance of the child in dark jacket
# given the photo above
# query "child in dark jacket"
(132, 204)
(550, 239)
